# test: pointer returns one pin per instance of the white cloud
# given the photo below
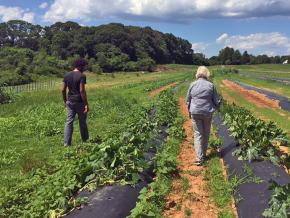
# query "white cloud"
(199, 47)
(259, 43)
(43, 5)
(15, 13)
(167, 10)
(222, 38)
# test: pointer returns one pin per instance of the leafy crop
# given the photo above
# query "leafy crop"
(115, 158)
(226, 71)
(255, 136)
(280, 202)
(151, 199)
(167, 110)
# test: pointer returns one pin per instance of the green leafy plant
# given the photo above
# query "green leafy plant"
(279, 205)
(255, 136)
(187, 213)
(151, 199)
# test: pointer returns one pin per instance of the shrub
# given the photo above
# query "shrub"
(4, 96)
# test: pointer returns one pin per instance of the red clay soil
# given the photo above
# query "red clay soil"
(157, 91)
(196, 198)
(226, 96)
(254, 97)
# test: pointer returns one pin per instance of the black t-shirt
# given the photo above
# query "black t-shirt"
(73, 80)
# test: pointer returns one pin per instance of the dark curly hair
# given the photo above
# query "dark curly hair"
(80, 64)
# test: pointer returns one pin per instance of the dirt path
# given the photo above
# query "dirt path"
(157, 91)
(254, 97)
(195, 197)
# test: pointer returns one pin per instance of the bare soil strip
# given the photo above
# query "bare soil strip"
(157, 91)
(195, 197)
(254, 97)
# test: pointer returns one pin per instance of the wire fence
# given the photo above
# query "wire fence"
(35, 86)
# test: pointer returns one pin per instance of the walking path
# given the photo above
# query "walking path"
(189, 197)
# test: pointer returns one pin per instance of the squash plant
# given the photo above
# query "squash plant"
(255, 136)
(280, 201)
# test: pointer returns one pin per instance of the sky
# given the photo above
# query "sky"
(258, 26)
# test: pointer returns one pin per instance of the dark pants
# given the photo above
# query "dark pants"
(74, 108)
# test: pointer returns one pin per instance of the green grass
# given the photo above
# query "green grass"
(187, 212)
(219, 188)
(185, 185)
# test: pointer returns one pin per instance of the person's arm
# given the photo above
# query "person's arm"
(188, 100)
(216, 98)
(84, 96)
(63, 91)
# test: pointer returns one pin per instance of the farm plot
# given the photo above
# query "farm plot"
(39, 177)
(255, 134)
(133, 153)
(268, 77)
(267, 102)
(254, 160)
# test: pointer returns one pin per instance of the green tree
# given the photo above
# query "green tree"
(245, 58)
(236, 58)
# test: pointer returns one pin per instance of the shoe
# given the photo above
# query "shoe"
(65, 145)
(198, 162)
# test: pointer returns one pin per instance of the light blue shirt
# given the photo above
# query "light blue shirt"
(202, 97)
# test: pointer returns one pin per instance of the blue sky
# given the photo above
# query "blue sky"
(260, 26)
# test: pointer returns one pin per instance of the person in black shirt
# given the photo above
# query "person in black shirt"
(75, 101)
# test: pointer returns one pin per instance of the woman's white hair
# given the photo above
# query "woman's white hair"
(202, 72)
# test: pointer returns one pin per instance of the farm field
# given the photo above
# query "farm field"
(40, 177)
(259, 77)
(32, 129)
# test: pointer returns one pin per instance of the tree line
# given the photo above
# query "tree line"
(29, 50)
(107, 48)
(230, 56)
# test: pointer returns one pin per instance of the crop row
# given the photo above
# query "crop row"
(117, 157)
(151, 200)
(257, 138)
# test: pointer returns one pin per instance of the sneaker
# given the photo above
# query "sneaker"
(66, 145)
(198, 162)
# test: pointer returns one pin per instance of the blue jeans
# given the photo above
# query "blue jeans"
(74, 108)
(201, 132)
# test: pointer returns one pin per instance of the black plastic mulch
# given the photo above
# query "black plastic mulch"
(279, 80)
(284, 102)
(252, 198)
(117, 201)
(109, 201)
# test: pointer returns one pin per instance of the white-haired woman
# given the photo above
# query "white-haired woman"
(202, 100)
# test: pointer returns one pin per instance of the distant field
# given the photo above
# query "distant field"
(259, 76)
